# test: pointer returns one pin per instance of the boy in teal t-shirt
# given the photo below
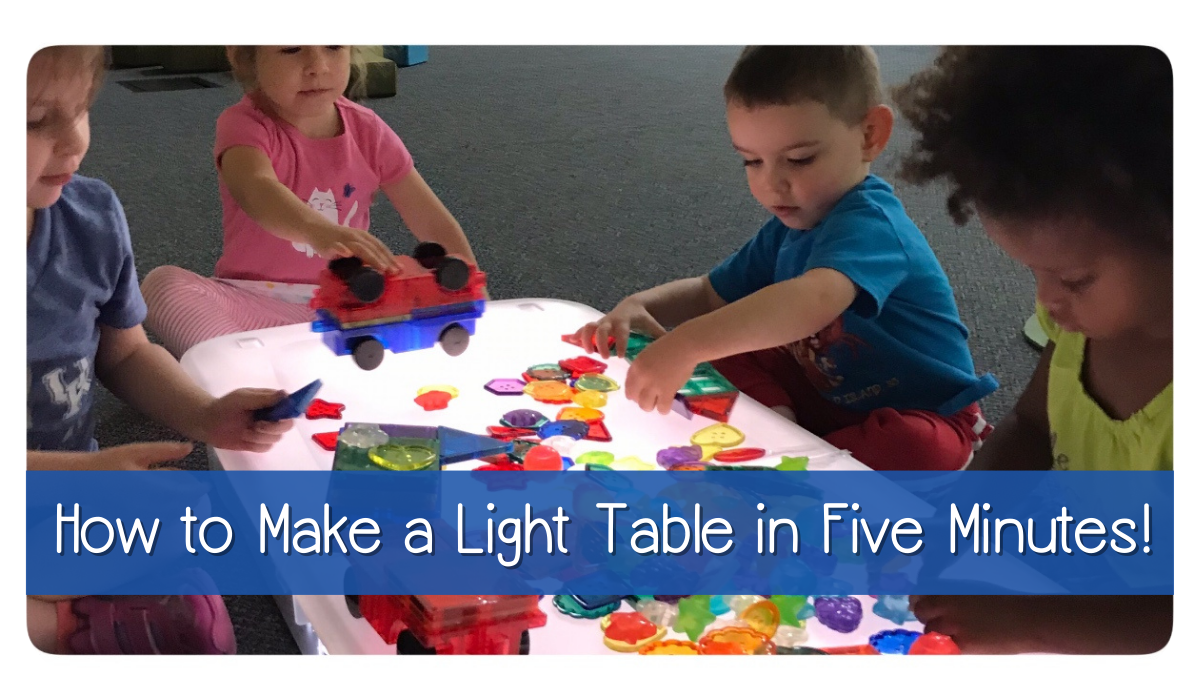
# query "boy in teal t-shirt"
(836, 315)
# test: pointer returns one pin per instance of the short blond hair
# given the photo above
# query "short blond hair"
(63, 61)
(242, 60)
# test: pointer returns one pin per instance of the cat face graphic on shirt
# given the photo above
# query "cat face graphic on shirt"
(323, 202)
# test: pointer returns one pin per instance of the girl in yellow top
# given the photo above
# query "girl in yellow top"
(1065, 154)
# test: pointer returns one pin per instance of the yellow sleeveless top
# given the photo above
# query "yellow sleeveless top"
(1082, 435)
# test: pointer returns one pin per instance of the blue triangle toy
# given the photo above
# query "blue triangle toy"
(459, 446)
(292, 406)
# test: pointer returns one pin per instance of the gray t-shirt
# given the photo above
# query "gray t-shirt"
(79, 274)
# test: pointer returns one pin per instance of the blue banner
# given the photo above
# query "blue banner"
(600, 532)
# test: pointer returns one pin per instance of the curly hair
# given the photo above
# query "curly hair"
(1035, 132)
(843, 78)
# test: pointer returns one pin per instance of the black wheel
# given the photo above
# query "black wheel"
(344, 267)
(352, 606)
(366, 284)
(429, 254)
(454, 340)
(408, 645)
(452, 274)
(368, 353)
(524, 648)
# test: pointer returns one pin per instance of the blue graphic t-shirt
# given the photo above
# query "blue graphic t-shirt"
(901, 343)
(79, 274)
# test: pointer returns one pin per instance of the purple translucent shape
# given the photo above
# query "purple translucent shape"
(523, 418)
(679, 455)
(670, 598)
(506, 387)
(840, 614)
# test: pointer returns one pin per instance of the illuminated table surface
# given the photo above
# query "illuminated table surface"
(511, 336)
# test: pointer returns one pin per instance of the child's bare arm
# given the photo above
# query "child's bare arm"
(146, 377)
(776, 315)
(252, 182)
(425, 215)
(1022, 439)
(650, 312)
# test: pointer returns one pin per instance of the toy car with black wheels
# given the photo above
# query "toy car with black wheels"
(434, 297)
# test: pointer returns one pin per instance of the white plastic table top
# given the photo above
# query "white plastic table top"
(511, 336)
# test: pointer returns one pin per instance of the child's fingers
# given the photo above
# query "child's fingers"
(664, 402)
(272, 428)
(652, 327)
(586, 337)
(620, 333)
(927, 607)
(379, 252)
(253, 399)
(254, 441)
(603, 331)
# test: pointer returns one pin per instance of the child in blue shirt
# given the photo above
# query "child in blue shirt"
(84, 314)
(836, 314)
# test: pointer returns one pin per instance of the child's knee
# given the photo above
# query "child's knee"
(163, 279)
(908, 440)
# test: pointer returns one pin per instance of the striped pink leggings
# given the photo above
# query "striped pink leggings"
(184, 308)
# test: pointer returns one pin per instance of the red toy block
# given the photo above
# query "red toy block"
(320, 408)
(326, 440)
(453, 624)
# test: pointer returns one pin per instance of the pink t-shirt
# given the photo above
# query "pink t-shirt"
(337, 176)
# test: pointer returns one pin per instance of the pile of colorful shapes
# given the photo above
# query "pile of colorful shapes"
(707, 393)
(385, 447)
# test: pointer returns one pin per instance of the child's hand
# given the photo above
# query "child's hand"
(229, 421)
(629, 315)
(345, 242)
(993, 624)
(658, 373)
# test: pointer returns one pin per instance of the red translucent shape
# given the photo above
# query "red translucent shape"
(860, 650)
(933, 643)
(741, 454)
(501, 432)
(542, 458)
(320, 408)
(326, 440)
(629, 627)
(579, 366)
(433, 400)
(598, 432)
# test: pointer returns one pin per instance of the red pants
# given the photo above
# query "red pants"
(884, 439)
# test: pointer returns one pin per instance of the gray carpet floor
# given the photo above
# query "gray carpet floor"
(581, 173)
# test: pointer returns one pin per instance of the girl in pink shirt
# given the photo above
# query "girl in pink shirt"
(298, 166)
